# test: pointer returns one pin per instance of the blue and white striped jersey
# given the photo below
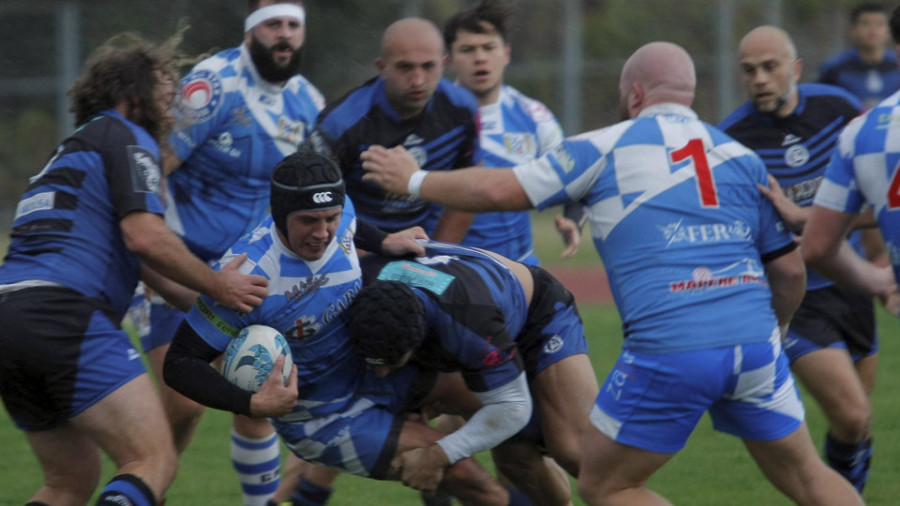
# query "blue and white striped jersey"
(514, 130)
(235, 127)
(864, 170)
(679, 223)
(306, 304)
(66, 228)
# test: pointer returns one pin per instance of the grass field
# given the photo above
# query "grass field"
(713, 470)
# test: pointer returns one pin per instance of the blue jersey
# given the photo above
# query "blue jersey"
(679, 223)
(443, 137)
(864, 170)
(514, 130)
(235, 128)
(475, 308)
(868, 82)
(796, 148)
(66, 228)
(306, 303)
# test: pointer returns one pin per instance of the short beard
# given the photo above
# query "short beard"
(265, 62)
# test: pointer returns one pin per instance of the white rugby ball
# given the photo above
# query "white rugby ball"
(250, 357)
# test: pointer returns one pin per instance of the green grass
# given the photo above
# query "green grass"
(714, 469)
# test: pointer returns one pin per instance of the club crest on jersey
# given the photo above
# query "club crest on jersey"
(202, 96)
(520, 144)
(145, 173)
(306, 326)
(796, 155)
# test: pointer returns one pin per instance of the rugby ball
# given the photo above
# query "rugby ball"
(250, 357)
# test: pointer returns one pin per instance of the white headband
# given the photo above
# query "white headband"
(274, 11)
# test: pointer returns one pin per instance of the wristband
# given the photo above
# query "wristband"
(415, 183)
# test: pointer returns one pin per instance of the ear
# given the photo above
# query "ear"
(379, 64)
(248, 37)
(797, 67)
(635, 99)
(507, 53)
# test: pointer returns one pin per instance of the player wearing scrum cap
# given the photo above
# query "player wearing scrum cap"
(307, 251)
(240, 112)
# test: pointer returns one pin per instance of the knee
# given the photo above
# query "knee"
(853, 423)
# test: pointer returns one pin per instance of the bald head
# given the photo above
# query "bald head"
(770, 69)
(657, 72)
(411, 64)
(411, 32)
(769, 39)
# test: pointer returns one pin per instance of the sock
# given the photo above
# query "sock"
(517, 498)
(850, 460)
(256, 461)
(126, 490)
(310, 494)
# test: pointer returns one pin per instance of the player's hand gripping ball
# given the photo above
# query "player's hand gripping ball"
(250, 357)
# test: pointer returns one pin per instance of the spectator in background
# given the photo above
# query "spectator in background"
(869, 70)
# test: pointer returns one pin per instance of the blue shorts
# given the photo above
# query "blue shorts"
(154, 320)
(833, 317)
(654, 401)
(363, 438)
(62, 353)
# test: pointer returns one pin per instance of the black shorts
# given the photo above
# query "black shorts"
(553, 330)
(833, 316)
(61, 353)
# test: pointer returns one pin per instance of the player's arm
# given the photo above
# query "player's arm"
(505, 411)
(787, 282)
(148, 237)
(174, 293)
(453, 225)
(826, 251)
(187, 370)
(170, 161)
(368, 237)
(471, 189)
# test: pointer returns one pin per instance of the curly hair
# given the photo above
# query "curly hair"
(126, 69)
(386, 320)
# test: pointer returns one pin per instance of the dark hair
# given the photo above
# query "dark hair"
(866, 8)
(304, 181)
(125, 69)
(493, 12)
(386, 320)
(894, 24)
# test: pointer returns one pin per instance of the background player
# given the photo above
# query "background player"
(409, 104)
(869, 69)
(831, 342)
(688, 301)
(69, 376)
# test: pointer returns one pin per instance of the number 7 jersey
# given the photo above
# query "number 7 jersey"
(680, 225)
